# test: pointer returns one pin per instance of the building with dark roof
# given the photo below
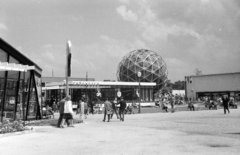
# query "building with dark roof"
(20, 85)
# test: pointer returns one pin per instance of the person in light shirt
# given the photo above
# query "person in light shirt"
(68, 112)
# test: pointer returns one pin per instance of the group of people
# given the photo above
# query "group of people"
(111, 107)
(166, 101)
(170, 100)
(118, 107)
(66, 112)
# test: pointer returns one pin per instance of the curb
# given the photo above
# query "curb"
(17, 133)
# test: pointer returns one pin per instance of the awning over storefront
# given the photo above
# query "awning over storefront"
(5, 66)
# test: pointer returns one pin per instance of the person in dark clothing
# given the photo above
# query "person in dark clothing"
(122, 108)
(225, 101)
(172, 101)
(61, 112)
(190, 105)
(114, 109)
(91, 105)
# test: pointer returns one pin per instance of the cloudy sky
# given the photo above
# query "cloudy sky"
(187, 34)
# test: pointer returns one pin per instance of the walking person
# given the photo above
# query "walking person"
(85, 109)
(165, 104)
(107, 110)
(92, 106)
(80, 108)
(54, 107)
(172, 101)
(61, 112)
(68, 112)
(114, 108)
(122, 108)
(225, 101)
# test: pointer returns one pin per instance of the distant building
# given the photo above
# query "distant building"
(178, 92)
(54, 91)
(213, 85)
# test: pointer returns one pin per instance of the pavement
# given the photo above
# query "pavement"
(180, 133)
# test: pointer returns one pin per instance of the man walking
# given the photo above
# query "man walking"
(225, 101)
(61, 112)
(107, 110)
(114, 108)
(122, 108)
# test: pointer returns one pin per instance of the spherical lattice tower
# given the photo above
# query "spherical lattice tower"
(149, 63)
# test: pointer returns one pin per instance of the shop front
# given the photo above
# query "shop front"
(98, 91)
(20, 85)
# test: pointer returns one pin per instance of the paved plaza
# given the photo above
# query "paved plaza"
(184, 132)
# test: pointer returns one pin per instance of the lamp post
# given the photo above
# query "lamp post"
(192, 94)
(86, 86)
(68, 65)
(139, 74)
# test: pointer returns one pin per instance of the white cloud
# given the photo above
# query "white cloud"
(105, 38)
(3, 30)
(127, 14)
(125, 1)
(76, 18)
(189, 34)
(48, 52)
(3, 27)
(151, 27)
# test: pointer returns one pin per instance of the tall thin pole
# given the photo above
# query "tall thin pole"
(86, 86)
(139, 74)
(139, 108)
(68, 52)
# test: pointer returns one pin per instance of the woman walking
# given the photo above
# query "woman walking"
(68, 112)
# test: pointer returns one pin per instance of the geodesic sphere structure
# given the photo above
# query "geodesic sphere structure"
(149, 63)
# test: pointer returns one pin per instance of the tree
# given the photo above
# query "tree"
(198, 72)
(168, 88)
(178, 85)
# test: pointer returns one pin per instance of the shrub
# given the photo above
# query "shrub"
(8, 127)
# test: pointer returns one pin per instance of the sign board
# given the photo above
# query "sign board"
(119, 94)
(11, 100)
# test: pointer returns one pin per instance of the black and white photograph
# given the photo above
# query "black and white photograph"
(119, 77)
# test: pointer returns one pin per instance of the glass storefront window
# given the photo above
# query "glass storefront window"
(10, 98)
(13, 74)
(23, 95)
(13, 60)
(2, 81)
(3, 56)
(2, 74)
(128, 94)
(38, 82)
(32, 107)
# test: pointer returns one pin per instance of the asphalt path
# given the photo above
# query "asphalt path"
(184, 132)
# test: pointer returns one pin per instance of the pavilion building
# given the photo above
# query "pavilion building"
(20, 85)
